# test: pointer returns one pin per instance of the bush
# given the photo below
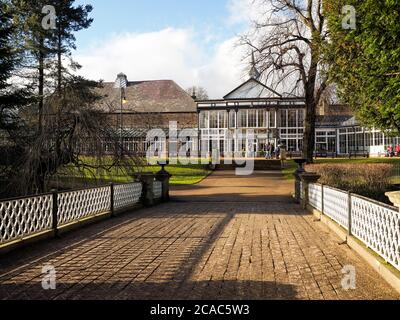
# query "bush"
(368, 180)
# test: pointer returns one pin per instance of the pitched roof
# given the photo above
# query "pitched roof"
(252, 89)
(146, 96)
(332, 121)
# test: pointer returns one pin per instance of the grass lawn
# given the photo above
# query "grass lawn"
(184, 175)
(181, 175)
(291, 166)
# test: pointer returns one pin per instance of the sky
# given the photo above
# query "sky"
(193, 42)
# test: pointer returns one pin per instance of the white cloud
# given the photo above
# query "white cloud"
(246, 11)
(175, 54)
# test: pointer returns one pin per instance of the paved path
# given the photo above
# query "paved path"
(226, 238)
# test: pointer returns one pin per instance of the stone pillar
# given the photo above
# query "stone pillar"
(147, 180)
(307, 178)
(394, 198)
(300, 170)
(164, 177)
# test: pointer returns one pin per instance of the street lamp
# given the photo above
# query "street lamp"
(121, 83)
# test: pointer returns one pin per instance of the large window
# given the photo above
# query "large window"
(292, 119)
(204, 119)
(292, 128)
(272, 119)
(242, 117)
(223, 119)
(232, 119)
(262, 119)
(252, 118)
(378, 139)
(213, 119)
(283, 117)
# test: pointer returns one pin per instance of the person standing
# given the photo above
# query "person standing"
(268, 150)
(272, 150)
(277, 152)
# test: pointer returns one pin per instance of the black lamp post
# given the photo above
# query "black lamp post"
(121, 83)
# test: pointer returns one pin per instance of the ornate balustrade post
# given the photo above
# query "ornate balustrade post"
(112, 209)
(147, 179)
(394, 198)
(307, 178)
(55, 212)
(300, 170)
(350, 212)
(164, 177)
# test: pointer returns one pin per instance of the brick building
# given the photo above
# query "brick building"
(209, 126)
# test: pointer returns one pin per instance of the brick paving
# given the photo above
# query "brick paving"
(227, 238)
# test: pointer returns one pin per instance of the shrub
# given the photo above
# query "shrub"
(369, 180)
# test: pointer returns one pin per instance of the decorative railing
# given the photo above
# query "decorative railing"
(23, 217)
(29, 216)
(336, 205)
(377, 225)
(315, 196)
(127, 195)
(77, 205)
(157, 189)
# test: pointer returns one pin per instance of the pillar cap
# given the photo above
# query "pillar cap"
(310, 177)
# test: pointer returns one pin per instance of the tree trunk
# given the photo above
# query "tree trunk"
(41, 85)
(59, 62)
(311, 104)
(309, 132)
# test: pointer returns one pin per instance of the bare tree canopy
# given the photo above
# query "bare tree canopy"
(199, 93)
(287, 38)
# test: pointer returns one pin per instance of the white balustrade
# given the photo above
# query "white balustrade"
(315, 196)
(336, 206)
(127, 195)
(76, 205)
(378, 227)
(24, 217)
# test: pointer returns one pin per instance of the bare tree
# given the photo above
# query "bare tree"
(288, 38)
(199, 93)
(71, 143)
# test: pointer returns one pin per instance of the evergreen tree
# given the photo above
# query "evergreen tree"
(70, 19)
(10, 96)
(36, 45)
(365, 61)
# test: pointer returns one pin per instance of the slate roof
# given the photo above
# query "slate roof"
(159, 96)
(352, 122)
(251, 87)
(334, 121)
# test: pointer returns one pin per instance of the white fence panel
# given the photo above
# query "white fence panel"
(76, 205)
(24, 217)
(336, 206)
(315, 196)
(127, 195)
(378, 227)
(157, 189)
